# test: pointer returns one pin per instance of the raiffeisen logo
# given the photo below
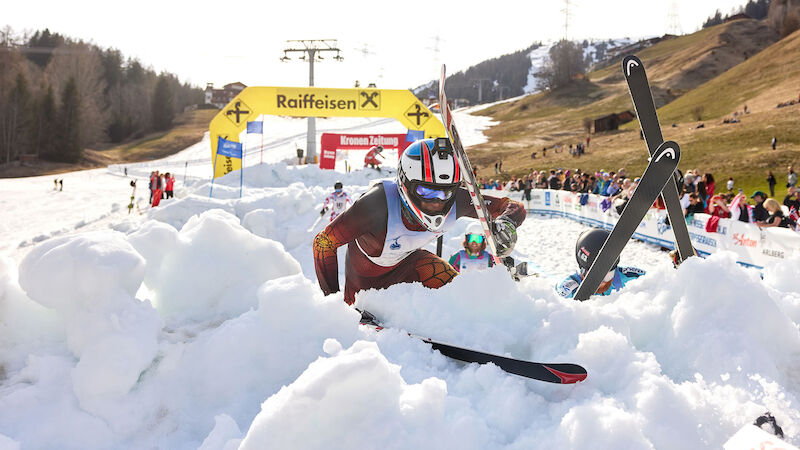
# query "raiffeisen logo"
(311, 101)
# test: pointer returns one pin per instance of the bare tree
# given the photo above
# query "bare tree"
(587, 124)
(82, 62)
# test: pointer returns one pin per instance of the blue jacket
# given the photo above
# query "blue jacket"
(568, 286)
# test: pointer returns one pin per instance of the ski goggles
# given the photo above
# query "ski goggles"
(337, 191)
(429, 193)
(476, 238)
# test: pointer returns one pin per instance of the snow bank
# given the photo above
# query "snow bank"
(201, 325)
(211, 268)
(355, 386)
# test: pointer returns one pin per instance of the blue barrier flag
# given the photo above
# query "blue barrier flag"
(229, 148)
(415, 135)
(255, 127)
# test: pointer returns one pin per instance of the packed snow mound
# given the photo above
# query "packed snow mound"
(200, 324)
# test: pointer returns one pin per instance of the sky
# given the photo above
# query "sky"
(397, 45)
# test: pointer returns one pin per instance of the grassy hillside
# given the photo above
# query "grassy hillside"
(713, 68)
(762, 81)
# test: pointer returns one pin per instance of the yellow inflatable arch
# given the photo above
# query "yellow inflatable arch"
(254, 101)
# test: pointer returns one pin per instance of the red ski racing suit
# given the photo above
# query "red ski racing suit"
(372, 158)
(384, 244)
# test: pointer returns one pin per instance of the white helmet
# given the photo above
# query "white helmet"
(428, 178)
(474, 228)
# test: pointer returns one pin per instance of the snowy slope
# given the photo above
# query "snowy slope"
(540, 56)
(200, 325)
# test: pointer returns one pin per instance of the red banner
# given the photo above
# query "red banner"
(334, 141)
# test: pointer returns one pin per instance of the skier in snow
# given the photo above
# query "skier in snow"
(387, 227)
(586, 249)
(337, 201)
(371, 159)
(474, 255)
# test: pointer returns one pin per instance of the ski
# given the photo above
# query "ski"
(656, 175)
(559, 373)
(466, 170)
(645, 107)
(314, 225)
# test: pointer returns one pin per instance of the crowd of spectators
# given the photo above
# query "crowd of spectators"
(698, 193)
(161, 186)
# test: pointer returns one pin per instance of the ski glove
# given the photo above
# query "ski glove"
(322, 213)
(505, 234)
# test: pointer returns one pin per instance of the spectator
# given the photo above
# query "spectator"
(774, 142)
(552, 181)
(701, 191)
(776, 217)
(621, 173)
(771, 182)
(718, 207)
(730, 184)
(544, 152)
(622, 197)
(587, 141)
(527, 186)
(710, 184)
(169, 185)
(792, 199)
(602, 185)
(759, 213)
(495, 167)
(55, 184)
(613, 187)
(590, 188)
(153, 184)
(695, 205)
(739, 208)
(541, 183)
(500, 166)
(791, 177)
(60, 185)
(688, 183)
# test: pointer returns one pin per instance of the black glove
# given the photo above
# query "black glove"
(322, 213)
(505, 234)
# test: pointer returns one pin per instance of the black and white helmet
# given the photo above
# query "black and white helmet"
(428, 177)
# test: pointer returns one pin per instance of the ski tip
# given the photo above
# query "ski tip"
(569, 377)
(629, 63)
(668, 149)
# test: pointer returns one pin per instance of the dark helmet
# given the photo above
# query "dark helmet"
(337, 185)
(588, 246)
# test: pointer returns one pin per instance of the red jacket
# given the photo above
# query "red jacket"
(170, 183)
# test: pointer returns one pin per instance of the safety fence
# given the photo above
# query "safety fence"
(753, 246)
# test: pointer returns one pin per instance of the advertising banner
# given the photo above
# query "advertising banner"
(753, 246)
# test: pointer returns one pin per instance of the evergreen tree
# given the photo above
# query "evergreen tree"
(70, 147)
(43, 137)
(42, 45)
(163, 104)
(716, 19)
(16, 115)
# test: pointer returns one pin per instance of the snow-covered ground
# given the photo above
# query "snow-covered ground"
(199, 324)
